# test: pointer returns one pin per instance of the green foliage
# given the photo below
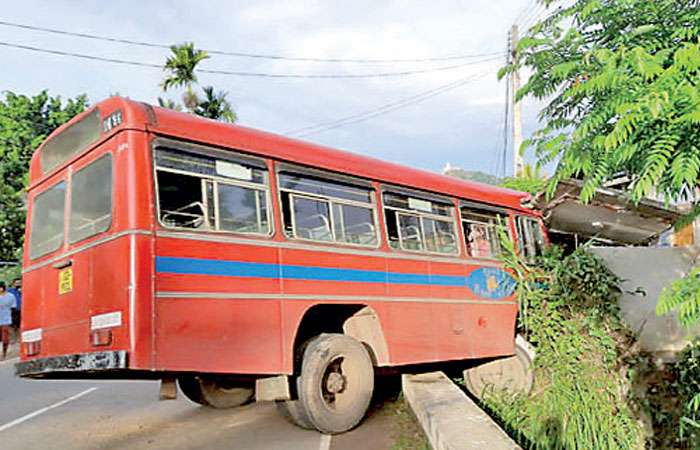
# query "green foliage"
(622, 82)
(683, 296)
(215, 106)
(687, 369)
(181, 64)
(181, 68)
(24, 123)
(531, 180)
(10, 273)
(569, 313)
(473, 175)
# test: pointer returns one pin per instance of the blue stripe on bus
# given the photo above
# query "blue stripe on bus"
(192, 266)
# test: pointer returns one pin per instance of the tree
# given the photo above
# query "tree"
(471, 175)
(531, 180)
(24, 123)
(215, 106)
(622, 82)
(181, 65)
(181, 68)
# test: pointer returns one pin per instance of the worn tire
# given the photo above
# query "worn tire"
(513, 374)
(217, 392)
(336, 382)
(294, 412)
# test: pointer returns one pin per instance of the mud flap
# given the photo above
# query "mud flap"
(168, 389)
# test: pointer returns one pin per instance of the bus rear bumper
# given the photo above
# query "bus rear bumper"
(72, 364)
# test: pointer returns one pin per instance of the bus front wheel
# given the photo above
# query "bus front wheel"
(293, 411)
(336, 382)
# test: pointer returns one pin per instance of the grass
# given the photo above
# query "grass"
(408, 432)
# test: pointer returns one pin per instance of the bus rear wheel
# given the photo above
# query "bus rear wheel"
(336, 383)
(217, 391)
(513, 375)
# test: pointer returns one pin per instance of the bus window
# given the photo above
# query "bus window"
(91, 200)
(327, 210)
(418, 224)
(241, 209)
(481, 233)
(203, 192)
(532, 241)
(47, 221)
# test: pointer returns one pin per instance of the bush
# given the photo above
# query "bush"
(569, 313)
(687, 371)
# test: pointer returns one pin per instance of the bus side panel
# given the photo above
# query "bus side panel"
(218, 293)
(207, 320)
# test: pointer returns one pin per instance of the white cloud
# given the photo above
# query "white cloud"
(461, 125)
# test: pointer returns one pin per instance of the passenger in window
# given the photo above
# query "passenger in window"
(479, 245)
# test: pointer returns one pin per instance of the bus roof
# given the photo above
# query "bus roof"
(166, 122)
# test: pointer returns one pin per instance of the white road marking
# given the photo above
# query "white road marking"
(325, 442)
(8, 361)
(43, 410)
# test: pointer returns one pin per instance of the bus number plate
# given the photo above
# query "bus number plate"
(65, 281)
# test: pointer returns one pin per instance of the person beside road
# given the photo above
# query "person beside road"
(16, 291)
(7, 302)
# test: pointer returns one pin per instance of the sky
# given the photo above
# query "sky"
(462, 126)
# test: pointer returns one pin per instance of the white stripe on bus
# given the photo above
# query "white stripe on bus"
(320, 298)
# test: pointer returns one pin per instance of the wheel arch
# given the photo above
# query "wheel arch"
(356, 320)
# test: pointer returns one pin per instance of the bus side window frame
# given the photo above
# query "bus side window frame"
(524, 234)
(331, 201)
(500, 218)
(443, 200)
(205, 180)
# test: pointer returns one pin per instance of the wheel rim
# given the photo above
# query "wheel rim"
(338, 384)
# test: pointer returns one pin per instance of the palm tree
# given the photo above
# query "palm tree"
(181, 65)
(215, 106)
(168, 103)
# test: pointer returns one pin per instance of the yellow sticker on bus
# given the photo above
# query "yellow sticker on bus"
(65, 281)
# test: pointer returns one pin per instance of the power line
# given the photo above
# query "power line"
(384, 109)
(249, 74)
(526, 10)
(534, 17)
(244, 54)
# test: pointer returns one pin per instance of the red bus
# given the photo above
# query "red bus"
(161, 245)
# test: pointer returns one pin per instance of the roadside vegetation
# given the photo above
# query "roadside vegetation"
(620, 81)
(569, 314)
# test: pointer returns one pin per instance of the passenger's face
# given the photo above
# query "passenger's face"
(18, 284)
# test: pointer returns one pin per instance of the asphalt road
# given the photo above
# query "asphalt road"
(104, 415)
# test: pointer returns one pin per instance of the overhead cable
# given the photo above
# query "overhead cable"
(247, 54)
(251, 74)
(384, 109)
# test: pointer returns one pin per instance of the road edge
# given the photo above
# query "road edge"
(449, 418)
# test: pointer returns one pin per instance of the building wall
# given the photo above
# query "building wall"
(645, 272)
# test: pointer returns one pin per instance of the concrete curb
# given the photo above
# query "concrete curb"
(450, 419)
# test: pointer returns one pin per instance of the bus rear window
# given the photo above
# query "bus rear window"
(91, 200)
(47, 221)
(71, 141)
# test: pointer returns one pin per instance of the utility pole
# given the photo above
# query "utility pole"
(517, 138)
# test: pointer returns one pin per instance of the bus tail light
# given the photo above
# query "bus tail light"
(101, 328)
(31, 339)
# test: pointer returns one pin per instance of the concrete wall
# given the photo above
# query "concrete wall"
(645, 272)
